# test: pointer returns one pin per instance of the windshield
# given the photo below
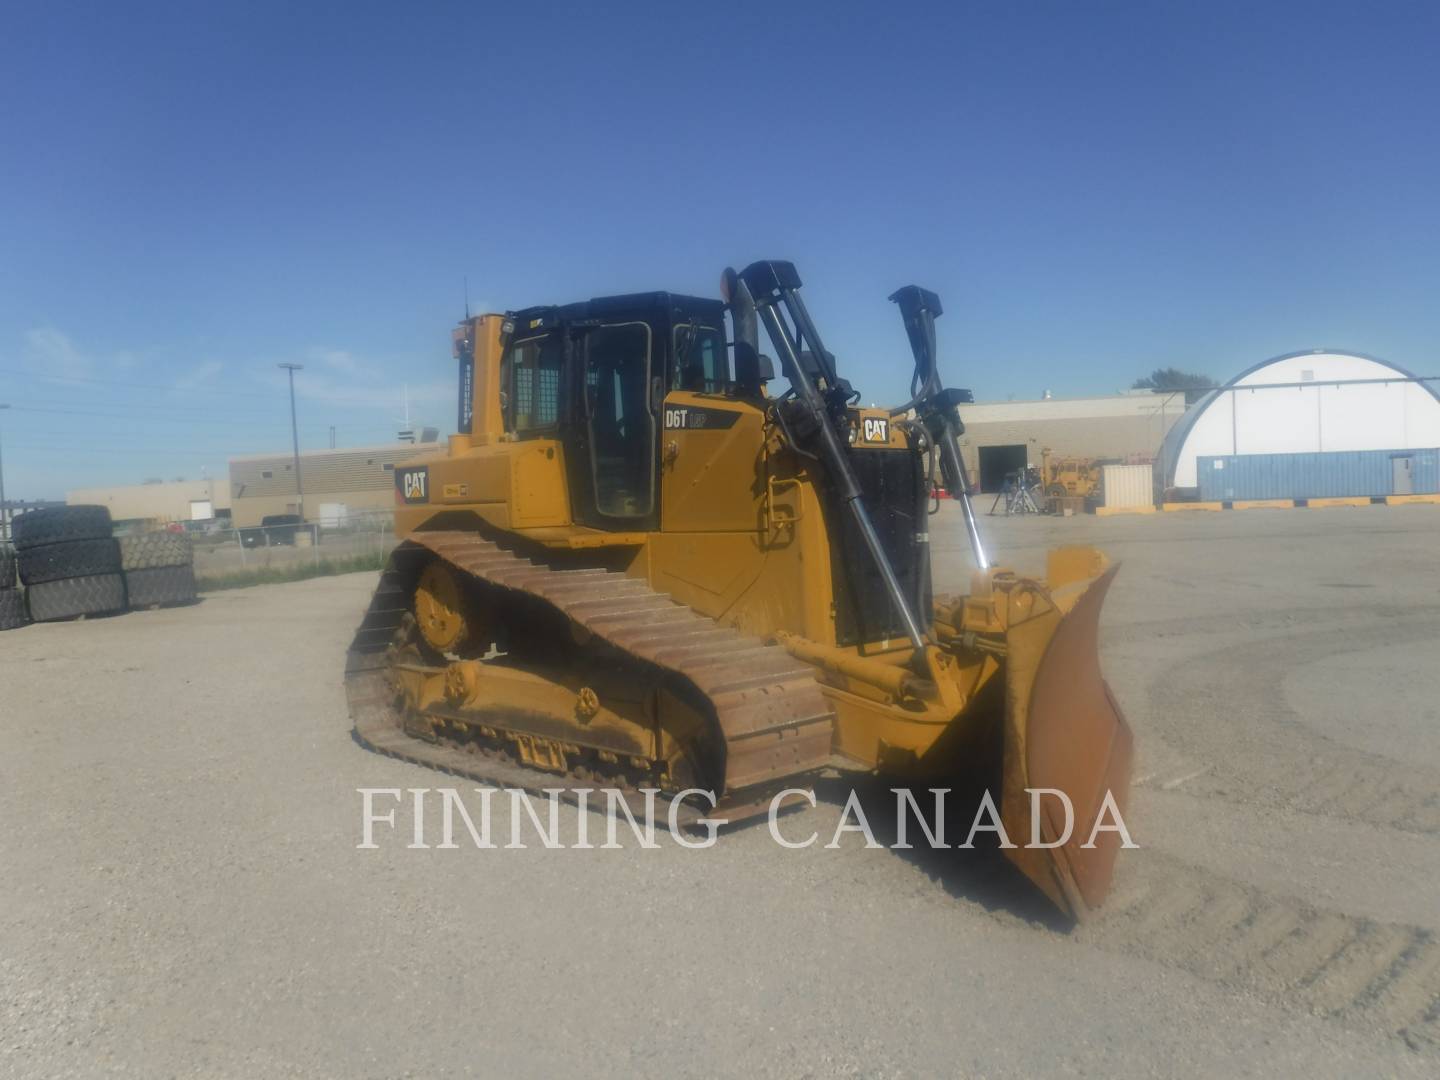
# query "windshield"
(701, 362)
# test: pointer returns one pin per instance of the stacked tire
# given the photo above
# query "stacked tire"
(12, 600)
(159, 568)
(69, 562)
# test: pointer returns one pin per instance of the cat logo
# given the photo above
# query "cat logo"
(875, 429)
(413, 485)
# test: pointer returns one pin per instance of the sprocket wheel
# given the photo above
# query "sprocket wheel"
(445, 620)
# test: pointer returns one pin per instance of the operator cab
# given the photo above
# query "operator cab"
(594, 376)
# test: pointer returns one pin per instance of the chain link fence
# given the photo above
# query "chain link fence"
(357, 537)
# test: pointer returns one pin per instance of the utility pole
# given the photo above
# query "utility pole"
(4, 513)
(295, 439)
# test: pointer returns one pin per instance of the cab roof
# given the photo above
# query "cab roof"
(657, 305)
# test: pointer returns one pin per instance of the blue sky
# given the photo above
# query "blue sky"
(192, 194)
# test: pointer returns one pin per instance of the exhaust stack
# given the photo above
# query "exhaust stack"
(749, 372)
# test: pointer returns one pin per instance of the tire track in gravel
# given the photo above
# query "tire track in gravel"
(1260, 751)
(1361, 972)
(1268, 620)
(1358, 971)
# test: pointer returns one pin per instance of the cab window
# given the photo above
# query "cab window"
(532, 375)
(701, 362)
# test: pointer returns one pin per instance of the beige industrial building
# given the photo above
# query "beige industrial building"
(162, 501)
(1003, 436)
(337, 483)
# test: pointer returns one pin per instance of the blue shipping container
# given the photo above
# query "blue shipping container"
(1326, 475)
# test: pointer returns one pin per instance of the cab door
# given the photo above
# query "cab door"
(614, 455)
(712, 444)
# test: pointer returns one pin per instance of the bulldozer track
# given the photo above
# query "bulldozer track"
(771, 713)
(1359, 971)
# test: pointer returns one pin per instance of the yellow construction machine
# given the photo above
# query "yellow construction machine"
(1069, 476)
(636, 565)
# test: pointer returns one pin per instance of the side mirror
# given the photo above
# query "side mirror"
(764, 368)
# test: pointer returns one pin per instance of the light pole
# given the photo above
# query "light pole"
(4, 514)
(295, 439)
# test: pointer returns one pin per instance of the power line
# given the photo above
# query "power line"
(186, 414)
(149, 406)
(88, 380)
(171, 388)
(119, 415)
(202, 421)
(59, 454)
(159, 434)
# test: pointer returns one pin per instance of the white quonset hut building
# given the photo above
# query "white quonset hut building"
(1305, 414)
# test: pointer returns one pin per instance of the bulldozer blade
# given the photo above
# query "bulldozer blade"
(1063, 732)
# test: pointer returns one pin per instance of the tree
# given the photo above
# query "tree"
(1173, 379)
(1165, 380)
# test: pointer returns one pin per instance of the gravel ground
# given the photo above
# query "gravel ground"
(182, 893)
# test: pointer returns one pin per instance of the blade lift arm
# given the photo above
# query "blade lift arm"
(820, 392)
(935, 405)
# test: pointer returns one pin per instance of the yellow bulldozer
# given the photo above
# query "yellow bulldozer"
(637, 565)
(1076, 477)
